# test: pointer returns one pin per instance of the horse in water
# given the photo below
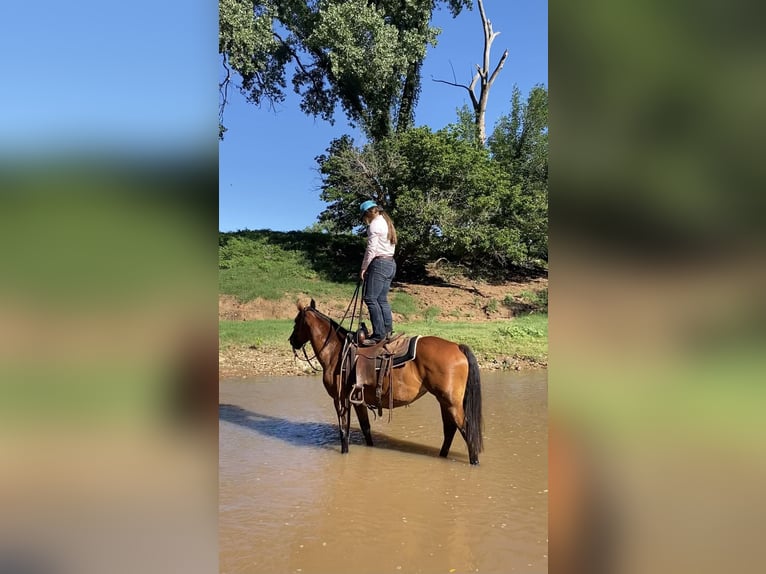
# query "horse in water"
(447, 370)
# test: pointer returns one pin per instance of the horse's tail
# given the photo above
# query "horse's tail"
(472, 403)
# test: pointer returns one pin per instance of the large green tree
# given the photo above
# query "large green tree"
(250, 49)
(362, 55)
(483, 207)
(449, 199)
(519, 143)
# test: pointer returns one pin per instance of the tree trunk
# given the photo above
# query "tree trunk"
(483, 78)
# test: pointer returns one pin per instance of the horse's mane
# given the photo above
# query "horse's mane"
(333, 323)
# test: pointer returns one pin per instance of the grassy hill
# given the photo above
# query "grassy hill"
(270, 264)
(262, 273)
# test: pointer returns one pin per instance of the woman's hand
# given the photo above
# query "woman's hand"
(361, 274)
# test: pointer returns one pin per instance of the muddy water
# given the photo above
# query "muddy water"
(291, 503)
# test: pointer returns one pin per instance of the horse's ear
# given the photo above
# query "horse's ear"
(313, 304)
(299, 305)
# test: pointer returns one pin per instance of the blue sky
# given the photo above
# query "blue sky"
(141, 78)
(267, 171)
(90, 75)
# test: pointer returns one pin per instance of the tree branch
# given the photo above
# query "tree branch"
(482, 77)
(292, 52)
(223, 89)
(370, 175)
(451, 84)
(498, 68)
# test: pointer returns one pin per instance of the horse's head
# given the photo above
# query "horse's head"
(301, 332)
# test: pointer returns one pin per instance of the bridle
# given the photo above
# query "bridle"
(303, 347)
(304, 310)
(326, 341)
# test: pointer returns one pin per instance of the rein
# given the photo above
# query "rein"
(307, 359)
(354, 301)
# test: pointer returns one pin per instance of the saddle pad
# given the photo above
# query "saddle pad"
(409, 354)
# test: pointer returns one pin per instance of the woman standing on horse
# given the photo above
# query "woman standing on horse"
(378, 268)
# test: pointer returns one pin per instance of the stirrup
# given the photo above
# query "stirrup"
(356, 396)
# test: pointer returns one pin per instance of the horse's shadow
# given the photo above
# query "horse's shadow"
(315, 434)
(297, 433)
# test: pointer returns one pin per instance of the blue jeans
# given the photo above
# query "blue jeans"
(377, 282)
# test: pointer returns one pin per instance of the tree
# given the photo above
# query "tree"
(483, 77)
(465, 126)
(248, 45)
(519, 144)
(364, 56)
(449, 199)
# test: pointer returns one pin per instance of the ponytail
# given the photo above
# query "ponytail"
(372, 212)
(391, 228)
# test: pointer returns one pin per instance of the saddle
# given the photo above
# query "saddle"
(374, 366)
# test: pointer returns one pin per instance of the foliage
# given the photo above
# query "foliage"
(448, 198)
(483, 208)
(465, 128)
(519, 143)
(248, 44)
(364, 56)
(520, 331)
(538, 298)
(528, 302)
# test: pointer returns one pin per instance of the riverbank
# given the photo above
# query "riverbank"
(245, 362)
(505, 324)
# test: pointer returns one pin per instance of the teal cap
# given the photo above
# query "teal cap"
(367, 205)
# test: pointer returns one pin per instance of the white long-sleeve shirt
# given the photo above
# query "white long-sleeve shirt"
(377, 241)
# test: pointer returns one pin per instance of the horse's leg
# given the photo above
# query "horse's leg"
(344, 414)
(347, 412)
(364, 422)
(449, 430)
(454, 415)
(473, 456)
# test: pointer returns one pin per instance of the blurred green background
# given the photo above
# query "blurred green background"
(656, 313)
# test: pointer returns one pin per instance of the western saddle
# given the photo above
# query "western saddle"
(373, 366)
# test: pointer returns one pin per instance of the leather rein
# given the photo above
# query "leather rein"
(354, 300)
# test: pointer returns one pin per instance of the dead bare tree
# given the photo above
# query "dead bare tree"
(483, 78)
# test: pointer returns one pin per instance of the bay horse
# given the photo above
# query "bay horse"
(447, 370)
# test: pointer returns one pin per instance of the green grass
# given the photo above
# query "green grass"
(432, 313)
(524, 337)
(538, 300)
(404, 304)
(272, 265)
(263, 333)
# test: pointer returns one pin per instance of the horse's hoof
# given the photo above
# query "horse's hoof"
(475, 462)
